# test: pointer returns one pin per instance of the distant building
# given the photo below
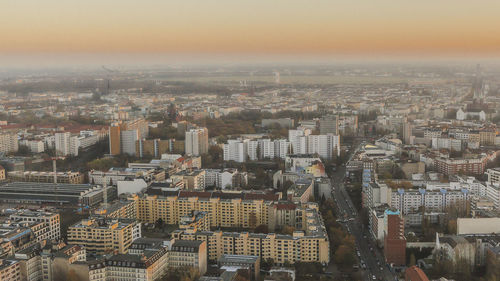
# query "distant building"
(8, 143)
(329, 125)
(282, 122)
(66, 144)
(196, 142)
(236, 150)
(123, 136)
(154, 148)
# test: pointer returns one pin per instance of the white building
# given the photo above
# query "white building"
(493, 194)
(128, 140)
(298, 141)
(36, 146)
(196, 142)
(65, 144)
(493, 175)
(410, 201)
(326, 146)
(227, 178)
(236, 150)
(252, 149)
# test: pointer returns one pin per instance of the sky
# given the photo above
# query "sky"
(268, 27)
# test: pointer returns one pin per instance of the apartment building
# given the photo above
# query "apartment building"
(50, 223)
(410, 201)
(37, 176)
(154, 148)
(493, 194)
(124, 135)
(227, 178)
(188, 253)
(237, 150)
(31, 263)
(493, 175)
(281, 248)
(103, 235)
(324, 145)
(329, 125)
(149, 266)
(196, 141)
(193, 180)
(119, 210)
(8, 143)
(10, 270)
(66, 144)
(223, 209)
(57, 260)
(473, 166)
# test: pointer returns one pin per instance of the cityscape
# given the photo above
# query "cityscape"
(213, 142)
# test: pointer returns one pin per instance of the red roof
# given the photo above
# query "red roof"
(195, 194)
(286, 206)
(414, 273)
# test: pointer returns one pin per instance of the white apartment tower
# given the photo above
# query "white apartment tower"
(196, 142)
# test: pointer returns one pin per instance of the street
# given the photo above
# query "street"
(369, 253)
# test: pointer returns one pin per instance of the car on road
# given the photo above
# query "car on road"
(374, 277)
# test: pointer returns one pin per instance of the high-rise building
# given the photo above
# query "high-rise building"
(66, 144)
(196, 142)
(394, 238)
(329, 125)
(124, 135)
(326, 146)
(237, 150)
(154, 147)
(407, 132)
(8, 143)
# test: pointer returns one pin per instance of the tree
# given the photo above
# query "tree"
(184, 273)
(344, 256)
(261, 229)
(159, 223)
(288, 230)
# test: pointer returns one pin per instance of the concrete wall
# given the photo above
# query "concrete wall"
(478, 226)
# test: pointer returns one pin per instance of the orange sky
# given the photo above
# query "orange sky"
(251, 26)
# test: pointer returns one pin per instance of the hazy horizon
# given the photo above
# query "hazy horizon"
(131, 31)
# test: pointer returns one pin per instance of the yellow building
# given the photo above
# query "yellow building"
(281, 248)
(10, 270)
(104, 235)
(223, 209)
(243, 210)
(188, 253)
